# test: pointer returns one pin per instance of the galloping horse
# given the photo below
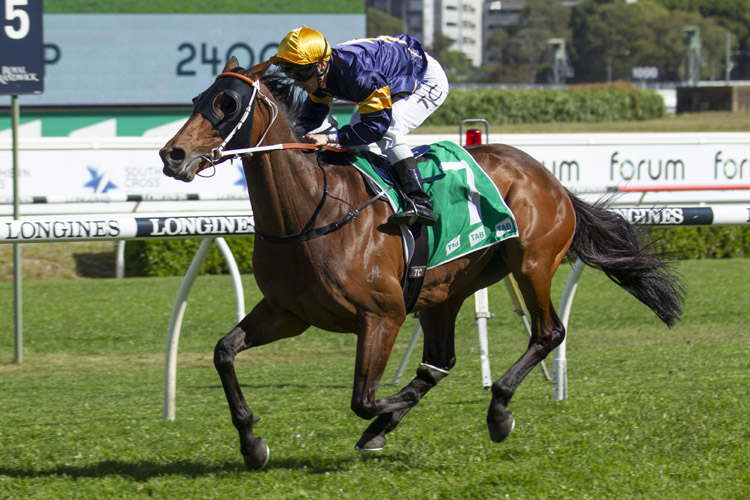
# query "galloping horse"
(316, 274)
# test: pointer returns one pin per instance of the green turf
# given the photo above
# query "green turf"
(653, 413)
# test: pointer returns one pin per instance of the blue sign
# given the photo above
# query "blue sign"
(21, 47)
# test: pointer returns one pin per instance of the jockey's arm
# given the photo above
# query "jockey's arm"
(313, 113)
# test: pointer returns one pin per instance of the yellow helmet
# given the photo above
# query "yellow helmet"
(303, 46)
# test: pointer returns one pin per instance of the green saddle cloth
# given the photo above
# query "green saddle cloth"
(470, 212)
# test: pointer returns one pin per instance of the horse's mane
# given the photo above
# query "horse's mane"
(289, 98)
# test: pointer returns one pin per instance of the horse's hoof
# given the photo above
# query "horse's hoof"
(370, 442)
(258, 456)
(502, 429)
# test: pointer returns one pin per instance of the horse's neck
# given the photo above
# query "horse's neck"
(285, 187)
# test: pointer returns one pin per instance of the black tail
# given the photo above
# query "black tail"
(606, 241)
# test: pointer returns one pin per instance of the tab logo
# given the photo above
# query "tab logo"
(503, 227)
(477, 236)
(453, 245)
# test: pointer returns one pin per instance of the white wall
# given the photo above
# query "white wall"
(85, 168)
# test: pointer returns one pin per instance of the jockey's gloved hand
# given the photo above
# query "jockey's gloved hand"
(317, 139)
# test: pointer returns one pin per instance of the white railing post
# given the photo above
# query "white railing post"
(175, 323)
(560, 358)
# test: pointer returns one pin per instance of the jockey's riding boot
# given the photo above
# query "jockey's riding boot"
(420, 205)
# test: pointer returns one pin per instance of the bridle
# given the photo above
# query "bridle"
(220, 153)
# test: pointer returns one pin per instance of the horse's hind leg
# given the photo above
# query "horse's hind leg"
(262, 326)
(438, 325)
(547, 332)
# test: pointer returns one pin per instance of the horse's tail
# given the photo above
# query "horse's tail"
(604, 240)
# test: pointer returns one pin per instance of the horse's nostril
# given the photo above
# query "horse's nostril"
(172, 156)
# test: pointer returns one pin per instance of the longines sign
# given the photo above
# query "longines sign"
(109, 228)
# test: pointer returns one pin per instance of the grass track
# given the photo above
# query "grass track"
(653, 413)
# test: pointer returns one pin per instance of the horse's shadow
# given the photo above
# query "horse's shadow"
(138, 471)
(143, 471)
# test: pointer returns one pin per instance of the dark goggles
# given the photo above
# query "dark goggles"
(296, 72)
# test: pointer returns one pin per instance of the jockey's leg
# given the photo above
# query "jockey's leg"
(420, 208)
(408, 113)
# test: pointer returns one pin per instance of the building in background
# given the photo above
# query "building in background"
(459, 20)
(470, 23)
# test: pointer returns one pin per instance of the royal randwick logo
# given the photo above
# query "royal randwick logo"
(16, 74)
(99, 181)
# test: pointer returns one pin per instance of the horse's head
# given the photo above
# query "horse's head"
(223, 117)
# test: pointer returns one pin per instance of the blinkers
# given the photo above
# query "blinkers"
(224, 116)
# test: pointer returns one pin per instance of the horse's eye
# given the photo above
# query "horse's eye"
(227, 105)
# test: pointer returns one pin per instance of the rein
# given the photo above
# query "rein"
(309, 232)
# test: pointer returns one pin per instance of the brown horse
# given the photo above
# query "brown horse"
(319, 276)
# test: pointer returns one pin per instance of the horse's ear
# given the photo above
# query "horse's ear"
(231, 64)
(260, 69)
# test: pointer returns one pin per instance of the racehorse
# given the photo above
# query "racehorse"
(321, 273)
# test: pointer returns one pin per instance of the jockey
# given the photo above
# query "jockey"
(396, 85)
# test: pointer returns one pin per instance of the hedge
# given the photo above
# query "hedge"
(704, 242)
(172, 257)
(589, 103)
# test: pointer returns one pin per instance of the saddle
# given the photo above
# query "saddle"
(471, 213)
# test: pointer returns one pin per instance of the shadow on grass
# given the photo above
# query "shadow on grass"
(95, 264)
(143, 471)
(281, 385)
(140, 471)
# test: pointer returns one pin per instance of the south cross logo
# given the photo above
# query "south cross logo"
(242, 182)
(99, 182)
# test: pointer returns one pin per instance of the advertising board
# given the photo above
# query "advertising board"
(82, 169)
(162, 59)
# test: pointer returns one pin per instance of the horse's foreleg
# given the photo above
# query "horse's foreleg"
(375, 340)
(261, 326)
(547, 332)
(438, 358)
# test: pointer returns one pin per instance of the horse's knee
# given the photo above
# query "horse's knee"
(553, 337)
(363, 409)
(549, 338)
(223, 354)
(557, 336)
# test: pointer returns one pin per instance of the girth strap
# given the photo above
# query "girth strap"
(417, 267)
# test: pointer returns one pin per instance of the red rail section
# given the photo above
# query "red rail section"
(712, 187)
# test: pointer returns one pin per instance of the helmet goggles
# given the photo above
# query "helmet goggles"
(297, 72)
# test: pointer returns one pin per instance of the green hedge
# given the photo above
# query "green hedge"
(703, 242)
(589, 103)
(172, 257)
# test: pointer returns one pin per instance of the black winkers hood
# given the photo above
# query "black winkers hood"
(241, 92)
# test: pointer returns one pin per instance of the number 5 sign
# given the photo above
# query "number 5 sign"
(21, 47)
